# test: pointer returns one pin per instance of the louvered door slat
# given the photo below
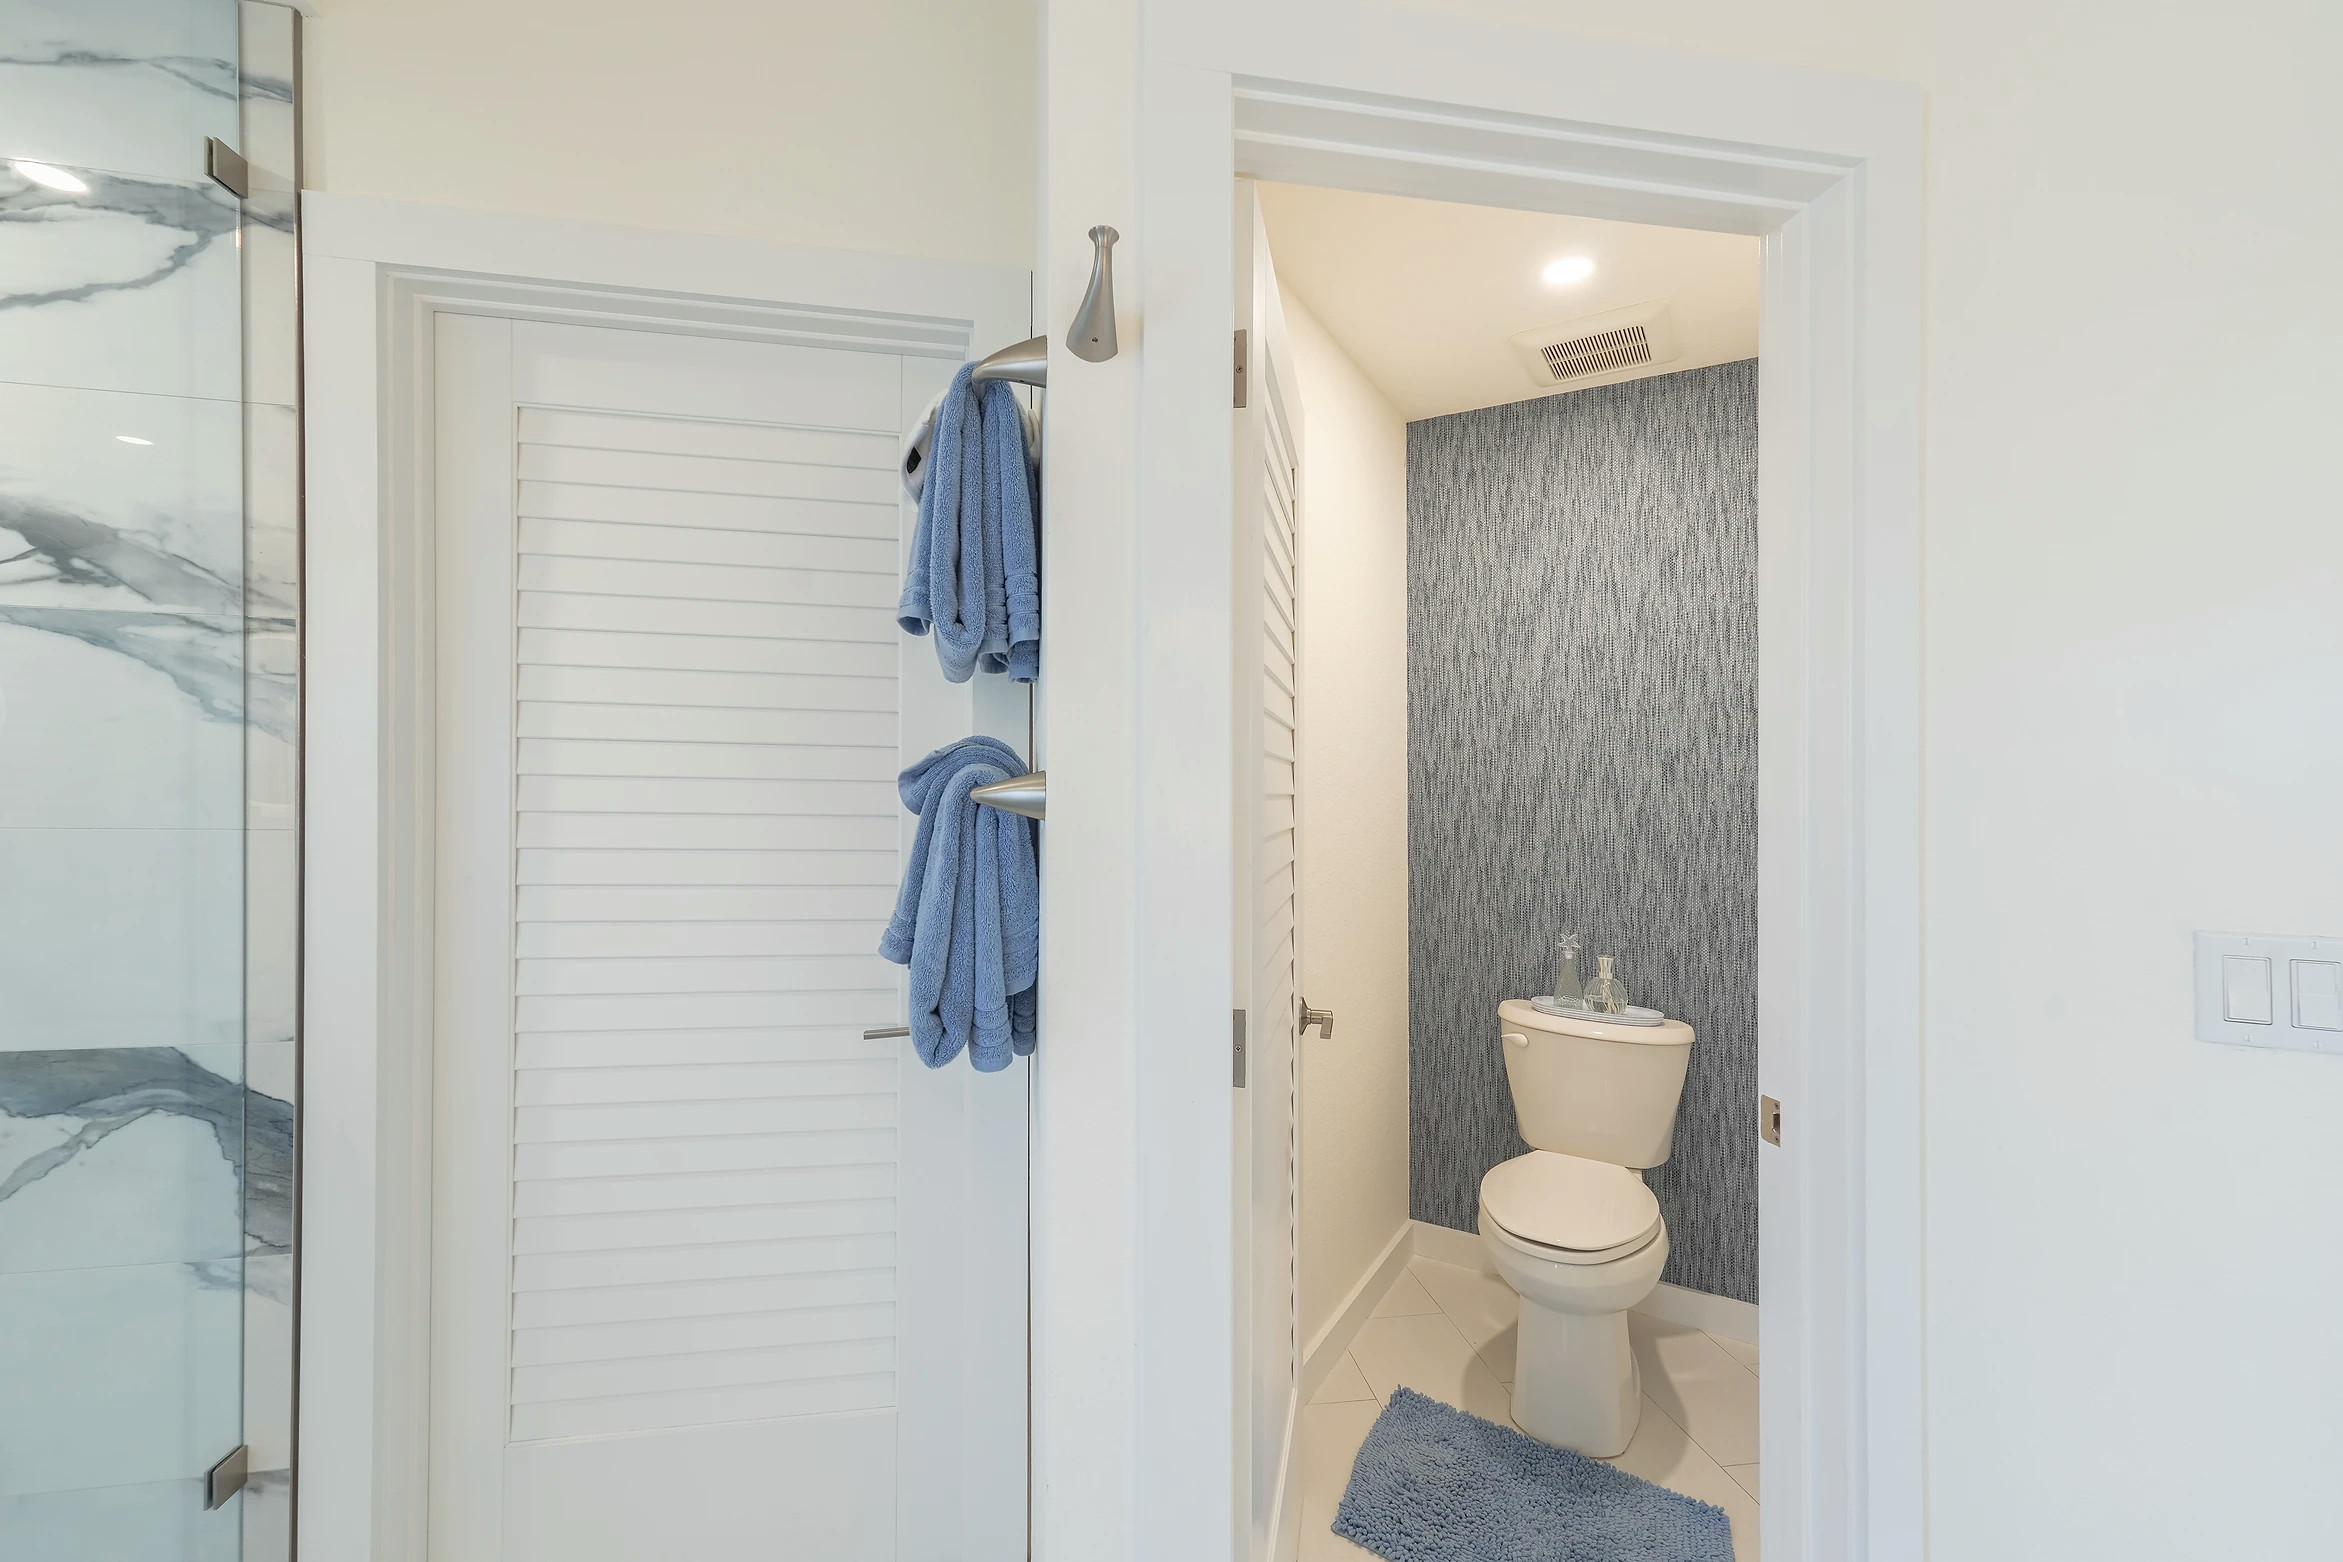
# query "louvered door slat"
(716, 735)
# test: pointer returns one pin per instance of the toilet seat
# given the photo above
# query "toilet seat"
(1569, 1210)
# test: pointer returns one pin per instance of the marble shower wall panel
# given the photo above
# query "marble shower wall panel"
(126, 86)
(134, 591)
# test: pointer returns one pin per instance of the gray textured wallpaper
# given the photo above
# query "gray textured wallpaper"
(1582, 752)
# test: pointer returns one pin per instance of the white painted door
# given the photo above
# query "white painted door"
(1268, 652)
(715, 1276)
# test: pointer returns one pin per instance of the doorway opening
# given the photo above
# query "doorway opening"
(1509, 749)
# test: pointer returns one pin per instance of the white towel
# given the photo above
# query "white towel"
(913, 463)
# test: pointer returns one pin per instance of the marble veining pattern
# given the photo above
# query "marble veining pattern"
(143, 621)
(133, 284)
(145, 1235)
(138, 232)
(59, 1113)
(205, 77)
(129, 86)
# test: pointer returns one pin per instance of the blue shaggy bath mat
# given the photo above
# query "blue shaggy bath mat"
(1433, 1484)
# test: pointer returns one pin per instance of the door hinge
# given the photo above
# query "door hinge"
(1240, 376)
(1769, 1119)
(227, 166)
(1236, 1051)
(226, 1479)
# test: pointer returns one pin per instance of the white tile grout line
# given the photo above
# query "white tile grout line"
(1718, 1341)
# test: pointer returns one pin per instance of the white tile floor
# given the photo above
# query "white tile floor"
(1448, 1332)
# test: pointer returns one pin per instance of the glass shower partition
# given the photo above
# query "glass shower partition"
(149, 802)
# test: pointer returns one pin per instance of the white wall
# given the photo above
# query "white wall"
(1354, 817)
(902, 126)
(2134, 727)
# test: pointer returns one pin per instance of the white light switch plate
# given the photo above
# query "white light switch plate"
(2255, 990)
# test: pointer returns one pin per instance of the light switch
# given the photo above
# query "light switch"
(2245, 989)
(2318, 994)
(2270, 990)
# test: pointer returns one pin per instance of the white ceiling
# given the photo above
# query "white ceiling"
(1424, 295)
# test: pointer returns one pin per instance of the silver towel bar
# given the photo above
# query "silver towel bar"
(885, 1032)
(1027, 795)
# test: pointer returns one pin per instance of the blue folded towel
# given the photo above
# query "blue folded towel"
(968, 919)
(975, 571)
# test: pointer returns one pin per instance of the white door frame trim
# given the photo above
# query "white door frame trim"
(374, 274)
(1412, 99)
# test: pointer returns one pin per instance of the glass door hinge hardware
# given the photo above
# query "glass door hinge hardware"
(226, 165)
(226, 1479)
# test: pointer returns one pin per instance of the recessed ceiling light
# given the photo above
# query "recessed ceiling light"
(54, 178)
(133, 439)
(1569, 269)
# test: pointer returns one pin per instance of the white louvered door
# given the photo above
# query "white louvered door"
(1268, 659)
(714, 1276)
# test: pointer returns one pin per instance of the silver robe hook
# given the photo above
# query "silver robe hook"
(1092, 335)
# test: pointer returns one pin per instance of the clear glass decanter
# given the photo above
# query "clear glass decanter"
(1606, 994)
(1569, 986)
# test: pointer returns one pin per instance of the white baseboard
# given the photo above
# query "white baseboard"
(1700, 1310)
(1461, 1248)
(1694, 1309)
(1319, 1357)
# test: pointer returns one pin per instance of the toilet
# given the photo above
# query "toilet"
(1571, 1226)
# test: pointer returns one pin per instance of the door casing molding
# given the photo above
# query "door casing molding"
(1415, 100)
(375, 273)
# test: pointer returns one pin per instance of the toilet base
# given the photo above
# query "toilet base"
(1574, 1377)
(1575, 1383)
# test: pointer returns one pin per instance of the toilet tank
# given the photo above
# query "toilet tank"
(1600, 1092)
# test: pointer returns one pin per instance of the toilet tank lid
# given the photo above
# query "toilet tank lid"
(1568, 1202)
(1518, 1014)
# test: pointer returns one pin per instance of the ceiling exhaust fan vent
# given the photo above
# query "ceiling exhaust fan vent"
(1620, 349)
(1598, 345)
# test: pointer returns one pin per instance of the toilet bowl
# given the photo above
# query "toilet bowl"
(1570, 1226)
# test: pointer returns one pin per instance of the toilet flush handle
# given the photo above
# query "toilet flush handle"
(1322, 1018)
(1517, 1038)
